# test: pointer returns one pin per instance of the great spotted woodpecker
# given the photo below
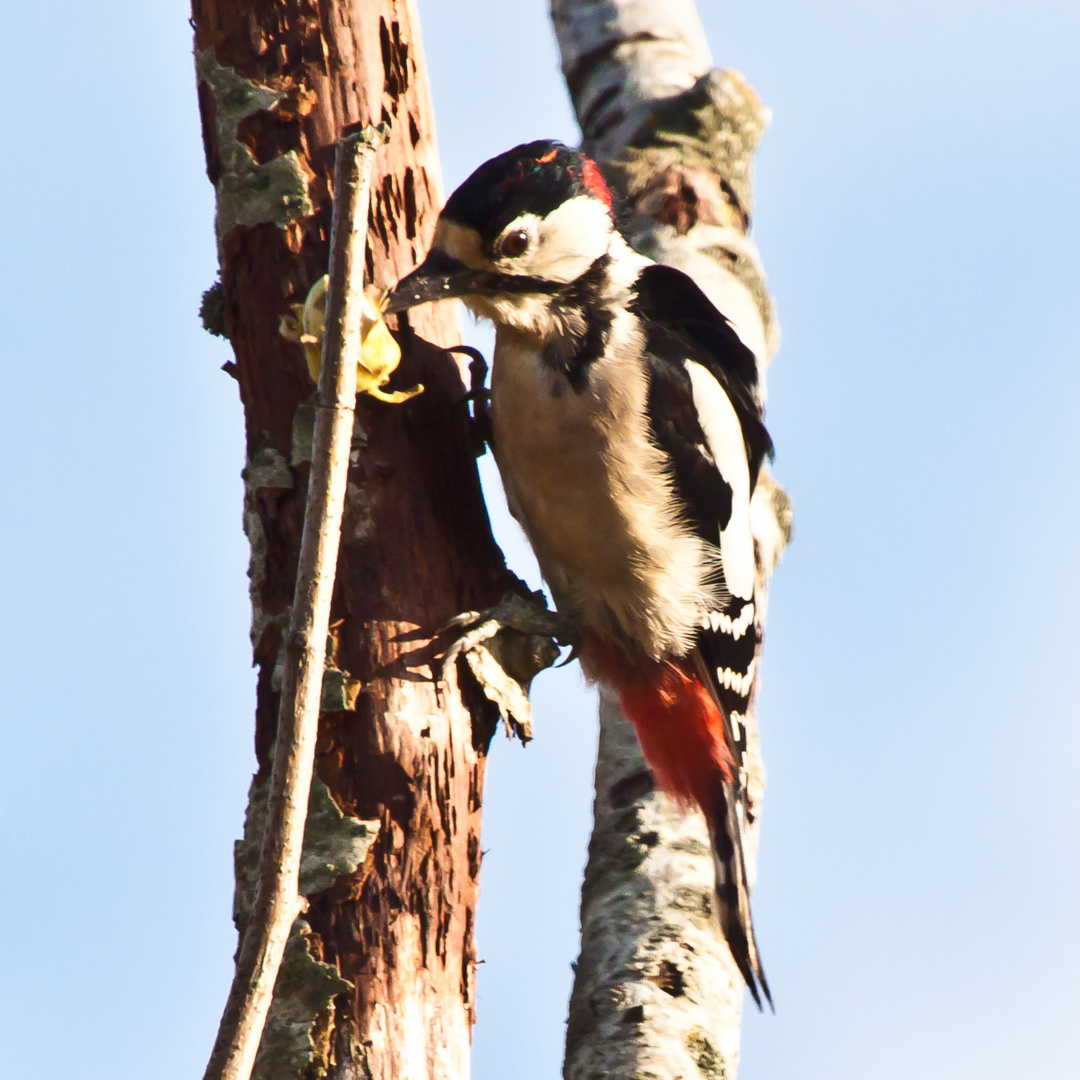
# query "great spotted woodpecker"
(629, 436)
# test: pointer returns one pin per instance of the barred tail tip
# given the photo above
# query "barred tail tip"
(681, 730)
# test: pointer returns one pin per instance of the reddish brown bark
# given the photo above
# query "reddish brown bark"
(416, 545)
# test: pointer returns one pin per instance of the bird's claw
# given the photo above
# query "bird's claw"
(529, 617)
(505, 647)
(479, 396)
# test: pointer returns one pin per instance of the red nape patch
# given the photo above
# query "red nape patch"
(593, 180)
(679, 725)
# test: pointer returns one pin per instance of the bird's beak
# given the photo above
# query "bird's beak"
(438, 277)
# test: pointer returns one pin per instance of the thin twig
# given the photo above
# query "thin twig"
(277, 899)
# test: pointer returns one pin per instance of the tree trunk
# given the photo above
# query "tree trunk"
(656, 992)
(378, 977)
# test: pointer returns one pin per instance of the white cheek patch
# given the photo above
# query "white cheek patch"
(724, 436)
(562, 246)
(565, 243)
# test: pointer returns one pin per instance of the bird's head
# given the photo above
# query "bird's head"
(524, 226)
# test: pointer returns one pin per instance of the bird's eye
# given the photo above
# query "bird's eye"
(515, 244)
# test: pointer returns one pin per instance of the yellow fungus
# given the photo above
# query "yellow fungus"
(379, 352)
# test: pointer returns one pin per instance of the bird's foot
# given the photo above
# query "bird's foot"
(505, 647)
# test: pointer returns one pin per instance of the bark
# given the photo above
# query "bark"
(378, 977)
(277, 899)
(656, 992)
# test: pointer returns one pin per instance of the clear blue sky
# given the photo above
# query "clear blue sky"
(919, 875)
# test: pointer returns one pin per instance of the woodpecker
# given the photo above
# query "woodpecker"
(628, 431)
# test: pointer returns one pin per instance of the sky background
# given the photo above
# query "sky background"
(919, 878)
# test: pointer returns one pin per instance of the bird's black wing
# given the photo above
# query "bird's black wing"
(682, 323)
(676, 427)
(730, 643)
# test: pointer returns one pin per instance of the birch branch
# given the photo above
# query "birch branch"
(277, 898)
(656, 992)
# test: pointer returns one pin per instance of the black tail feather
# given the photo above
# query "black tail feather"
(725, 813)
(733, 891)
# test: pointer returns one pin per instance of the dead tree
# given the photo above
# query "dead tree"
(656, 992)
(378, 976)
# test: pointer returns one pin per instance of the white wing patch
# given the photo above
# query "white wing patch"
(724, 436)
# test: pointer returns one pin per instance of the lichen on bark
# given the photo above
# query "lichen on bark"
(298, 1039)
(266, 473)
(249, 192)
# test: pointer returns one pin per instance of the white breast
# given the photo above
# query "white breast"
(594, 496)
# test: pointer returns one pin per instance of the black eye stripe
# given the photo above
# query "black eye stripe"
(519, 283)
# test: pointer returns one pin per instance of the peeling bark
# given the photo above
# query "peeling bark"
(390, 943)
(656, 992)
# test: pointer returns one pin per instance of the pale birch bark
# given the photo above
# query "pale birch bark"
(656, 992)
